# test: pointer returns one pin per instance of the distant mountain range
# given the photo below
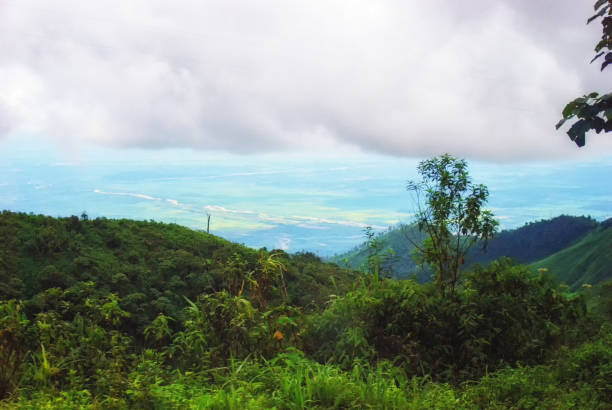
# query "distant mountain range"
(576, 250)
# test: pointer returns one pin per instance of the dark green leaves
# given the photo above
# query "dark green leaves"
(599, 13)
(577, 132)
(599, 3)
(592, 111)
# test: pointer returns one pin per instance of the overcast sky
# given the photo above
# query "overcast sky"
(481, 79)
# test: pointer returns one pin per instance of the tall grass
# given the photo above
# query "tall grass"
(292, 381)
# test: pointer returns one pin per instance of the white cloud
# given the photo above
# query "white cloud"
(284, 243)
(134, 195)
(220, 209)
(477, 78)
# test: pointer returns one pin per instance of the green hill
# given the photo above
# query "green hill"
(535, 240)
(587, 261)
(151, 266)
(529, 243)
(400, 240)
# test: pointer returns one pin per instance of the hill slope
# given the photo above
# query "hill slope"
(587, 261)
(535, 240)
(399, 240)
(150, 266)
(529, 243)
(105, 317)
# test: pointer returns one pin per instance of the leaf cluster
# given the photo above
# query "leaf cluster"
(593, 111)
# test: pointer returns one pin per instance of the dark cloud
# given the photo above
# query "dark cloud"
(477, 78)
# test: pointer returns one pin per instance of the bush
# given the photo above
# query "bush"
(503, 314)
(590, 365)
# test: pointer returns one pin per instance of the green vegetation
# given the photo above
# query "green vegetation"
(125, 314)
(393, 240)
(588, 261)
(536, 240)
(453, 219)
(593, 111)
(528, 244)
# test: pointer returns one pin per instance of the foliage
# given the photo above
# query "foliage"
(380, 261)
(587, 261)
(504, 314)
(13, 350)
(82, 298)
(292, 381)
(527, 244)
(593, 111)
(401, 265)
(151, 267)
(125, 314)
(269, 271)
(453, 219)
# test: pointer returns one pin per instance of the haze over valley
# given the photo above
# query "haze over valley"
(293, 202)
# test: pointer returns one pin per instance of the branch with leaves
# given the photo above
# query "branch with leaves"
(593, 111)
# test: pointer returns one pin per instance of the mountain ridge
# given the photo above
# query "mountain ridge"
(527, 244)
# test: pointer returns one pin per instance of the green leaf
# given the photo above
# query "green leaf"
(597, 56)
(599, 3)
(598, 14)
(578, 130)
(570, 109)
(193, 305)
(602, 43)
(560, 123)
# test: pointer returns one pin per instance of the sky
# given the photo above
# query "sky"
(480, 79)
(295, 124)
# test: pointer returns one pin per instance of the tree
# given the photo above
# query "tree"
(380, 261)
(270, 270)
(593, 111)
(452, 217)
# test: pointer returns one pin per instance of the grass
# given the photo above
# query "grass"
(587, 261)
(292, 381)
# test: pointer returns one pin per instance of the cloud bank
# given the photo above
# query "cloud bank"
(477, 78)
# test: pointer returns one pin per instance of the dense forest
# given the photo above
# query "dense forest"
(587, 261)
(108, 313)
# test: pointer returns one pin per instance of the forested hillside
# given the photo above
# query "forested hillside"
(125, 314)
(395, 247)
(151, 266)
(535, 240)
(527, 244)
(588, 261)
